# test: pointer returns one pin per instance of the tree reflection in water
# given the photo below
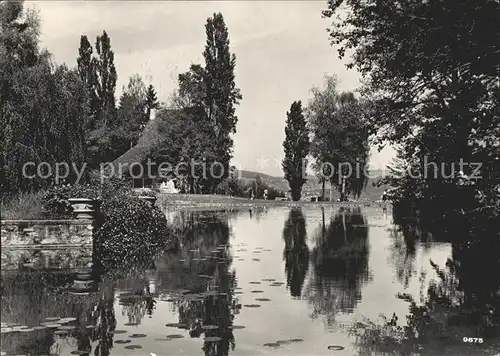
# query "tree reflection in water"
(29, 298)
(203, 268)
(403, 254)
(340, 262)
(296, 252)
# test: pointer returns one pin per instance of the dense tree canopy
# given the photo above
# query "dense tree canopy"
(340, 134)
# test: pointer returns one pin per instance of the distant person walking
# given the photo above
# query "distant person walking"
(265, 194)
(384, 199)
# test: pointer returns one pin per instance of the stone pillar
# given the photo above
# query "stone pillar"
(83, 208)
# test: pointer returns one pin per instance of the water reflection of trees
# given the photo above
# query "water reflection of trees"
(30, 298)
(402, 254)
(296, 252)
(463, 301)
(202, 270)
(257, 212)
(340, 262)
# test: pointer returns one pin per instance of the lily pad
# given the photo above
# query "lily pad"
(257, 291)
(66, 320)
(53, 318)
(53, 325)
(213, 339)
(254, 282)
(131, 324)
(122, 341)
(336, 348)
(252, 305)
(255, 259)
(263, 299)
(133, 347)
(209, 327)
(60, 332)
(205, 276)
(272, 344)
(67, 327)
(175, 336)
(268, 279)
(165, 339)
(116, 332)
(236, 327)
(79, 352)
(26, 330)
(137, 336)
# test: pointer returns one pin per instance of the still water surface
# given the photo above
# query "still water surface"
(269, 281)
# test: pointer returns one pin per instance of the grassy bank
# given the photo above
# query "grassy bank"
(27, 206)
(30, 205)
(195, 201)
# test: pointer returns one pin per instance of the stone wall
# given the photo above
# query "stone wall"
(46, 233)
(46, 244)
(30, 259)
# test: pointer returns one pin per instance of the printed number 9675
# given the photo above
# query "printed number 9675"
(476, 340)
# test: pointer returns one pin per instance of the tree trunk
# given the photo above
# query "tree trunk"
(342, 193)
(323, 190)
(323, 219)
(344, 227)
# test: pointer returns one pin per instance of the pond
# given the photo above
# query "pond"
(289, 281)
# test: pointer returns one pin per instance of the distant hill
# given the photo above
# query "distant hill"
(313, 186)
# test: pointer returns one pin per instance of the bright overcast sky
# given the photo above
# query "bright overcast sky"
(282, 50)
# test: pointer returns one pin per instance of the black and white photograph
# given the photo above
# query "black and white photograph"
(250, 177)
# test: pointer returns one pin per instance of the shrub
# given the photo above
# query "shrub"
(128, 229)
(131, 230)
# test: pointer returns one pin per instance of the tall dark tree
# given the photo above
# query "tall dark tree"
(106, 79)
(212, 88)
(105, 139)
(88, 76)
(151, 99)
(221, 94)
(296, 252)
(296, 146)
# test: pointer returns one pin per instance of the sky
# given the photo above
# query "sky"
(282, 50)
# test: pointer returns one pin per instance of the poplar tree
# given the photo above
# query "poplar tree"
(296, 146)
